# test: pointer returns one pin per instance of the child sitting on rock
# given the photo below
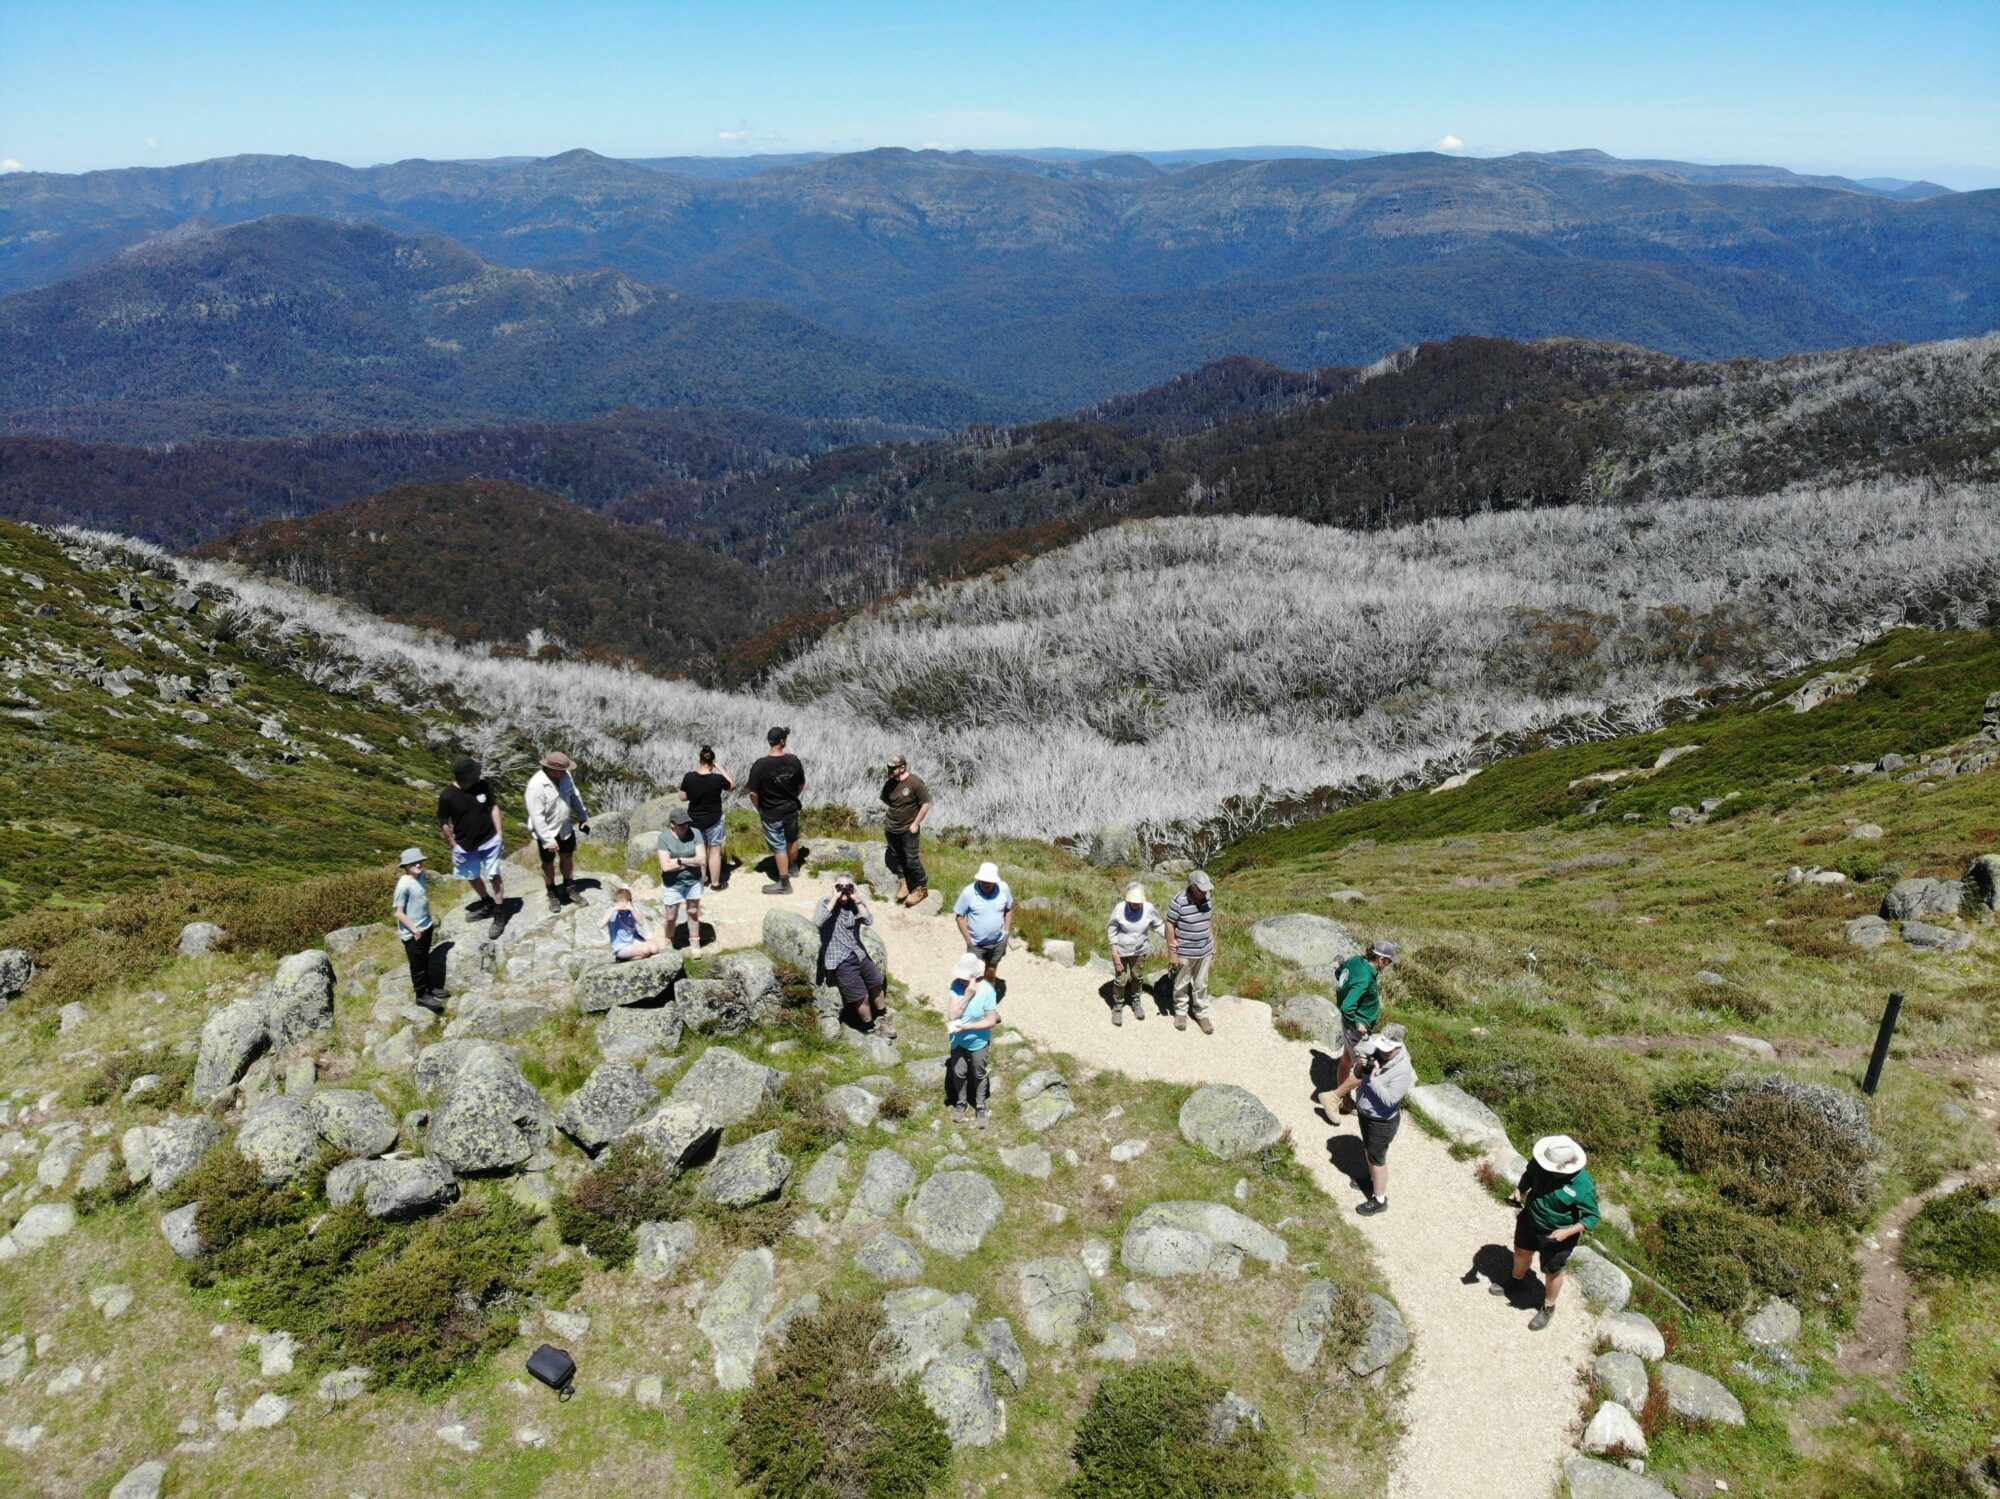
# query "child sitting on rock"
(628, 942)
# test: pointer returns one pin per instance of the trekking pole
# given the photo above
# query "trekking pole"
(1882, 1039)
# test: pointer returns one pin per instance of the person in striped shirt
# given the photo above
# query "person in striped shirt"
(1191, 949)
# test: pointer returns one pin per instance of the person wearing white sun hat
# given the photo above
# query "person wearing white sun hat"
(984, 911)
(971, 1011)
(1130, 931)
(1558, 1203)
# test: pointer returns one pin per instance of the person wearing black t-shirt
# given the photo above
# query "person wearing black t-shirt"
(704, 790)
(469, 814)
(777, 786)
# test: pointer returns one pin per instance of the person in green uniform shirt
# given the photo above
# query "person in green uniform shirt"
(1558, 1203)
(1358, 992)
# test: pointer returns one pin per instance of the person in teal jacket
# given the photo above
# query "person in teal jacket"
(1357, 990)
(1558, 1202)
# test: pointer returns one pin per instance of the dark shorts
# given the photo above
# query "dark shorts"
(1350, 1036)
(992, 952)
(566, 844)
(1555, 1253)
(857, 978)
(1376, 1135)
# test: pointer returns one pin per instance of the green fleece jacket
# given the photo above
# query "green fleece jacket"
(1357, 992)
(1552, 1202)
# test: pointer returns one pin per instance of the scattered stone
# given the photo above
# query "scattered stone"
(744, 1175)
(571, 1327)
(959, 1390)
(395, 1189)
(142, 1482)
(1096, 1257)
(66, 1381)
(1621, 1377)
(42, 1224)
(1753, 1046)
(70, 1016)
(343, 1385)
(855, 1104)
(1866, 830)
(53, 1169)
(1590, 1479)
(1928, 938)
(458, 1435)
(612, 1099)
(891, 1258)
(780, 1326)
(662, 1248)
(1060, 951)
(650, 1390)
(1196, 1238)
(1382, 1341)
(491, 1118)
(924, 1321)
(954, 1210)
(1139, 1298)
(634, 1033)
(1229, 1415)
(606, 984)
(266, 1411)
(1229, 1121)
(996, 1340)
(1056, 1301)
(755, 994)
(727, 1085)
(1867, 931)
(1696, 1397)
(180, 1233)
(1129, 1150)
(278, 1137)
(732, 1317)
(17, 970)
(1027, 1160)
(1775, 1324)
(879, 1051)
(113, 1301)
(353, 1121)
(1633, 1333)
(1316, 1015)
(1117, 1346)
(1914, 898)
(143, 1084)
(1982, 878)
(679, 1132)
(821, 1184)
(886, 1181)
(1603, 1282)
(275, 1353)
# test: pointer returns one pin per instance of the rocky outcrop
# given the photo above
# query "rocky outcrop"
(954, 1210)
(679, 1133)
(924, 1321)
(400, 1188)
(889, 1257)
(296, 1005)
(732, 1318)
(1303, 1335)
(662, 1247)
(352, 1121)
(278, 1137)
(727, 1085)
(959, 1390)
(1056, 1300)
(1197, 1238)
(1229, 1122)
(1914, 899)
(176, 1147)
(17, 971)
(607, 984)
(612, 1099)
(996, 1340)
(748, 997)
(490, 1118)
(743, 1175)
(1317, 945)
(886, 1181)
(1382, 1339)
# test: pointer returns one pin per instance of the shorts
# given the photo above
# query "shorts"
(564, 843)
(1555, 1254)
(780, 833)
(1376, 1135)
(675, 895)
(620, 949)
(476, 864)
(857, 978)
(714, 836)
(990, 953)
(1351, 1036)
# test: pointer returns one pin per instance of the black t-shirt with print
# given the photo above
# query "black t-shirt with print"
(779, 781)
(469, 810)
(704, 793)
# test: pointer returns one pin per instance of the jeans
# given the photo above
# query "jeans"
(417, 950)
(905, 861)
(965, 1078)
(1191, 985)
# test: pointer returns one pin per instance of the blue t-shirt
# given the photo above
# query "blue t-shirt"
(624, 928)
(413, 899)
(983, 1003)
(986, 915)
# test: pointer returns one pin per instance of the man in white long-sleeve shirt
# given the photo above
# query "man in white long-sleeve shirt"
(555, 815)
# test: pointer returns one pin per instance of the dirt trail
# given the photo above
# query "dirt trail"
(1491, 1407)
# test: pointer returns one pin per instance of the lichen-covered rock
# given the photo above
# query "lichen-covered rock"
(278, 1137)
(1632, 1332)
(1696, 1397)
(17, 971)
(1228, 1121)
(1603, 1282)
(1229, 1415)
(1867, 931)
(1043, 1096)
(1196, 1238)
(997, 1341)
(886, 1181)
(437, 1065)
(959, 1391)
(486, 1019)
(612, 1099)
(178, 1144)
(298, 1002)
(178, 1229)
(1925, 937)
(1621, 1377)
(490, 1118)
(1590, 1479)
(890, 1258)
(1316, 944)
(607, 984)
(743, 1175)
(855, 1104)
(1317, 1016)
(953, 1211)
(821, 1184)
(1382, 1340)
(1304, 1333)
(396, 1189)
(231, 1039)
(1915, 898)
(1056, 1300)
(41, 1224)
(728, 1085)
(1614, 1432)
(924, 1321)
(353, 1121)
(200, 938)
(732, 1318)
(634, 1032)
(754, 980)
(1775, 1324)
(662, 1247)
(679, 1133)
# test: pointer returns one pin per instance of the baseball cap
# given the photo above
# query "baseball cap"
(680, 817)
(900, 762)
(989, 874)
(411, 856)
(1378, 1044)
(1200, 880)
(777, 736)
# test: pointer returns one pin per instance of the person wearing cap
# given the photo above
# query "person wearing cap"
(1381, 1080)
(1558, 1203)
(1358, 992)
(469, 814)
(411, 906)
(683, 860)
(1191, 950)
(555, 814)
(621, 921)
(909, 802)
(843, 957)
(1131, 929)
(971, 1012)
(984, 911)
(777, 786)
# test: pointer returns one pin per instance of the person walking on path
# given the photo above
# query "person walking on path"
(970, 1015)
(1381, 1080)
(1131, 929)
(909, 802)
(777, 787)
(1558, 1203)
(628, 942)
(683, 857)
(843, 957)
(555, 815)
(704, 788)
(984, 911)
(1358, 992)
(1191, 950)
(469, 814)
(411, 906)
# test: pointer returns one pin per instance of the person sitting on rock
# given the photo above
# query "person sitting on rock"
(469, 814)
(555, 815)
(411, 906)
(628, 942)
(1191, 950)
(1558, 1203)
(984, 911)
(1381, 1080)
(1358, 992)
(683, 860)
(970, 1015)
(1130, 930)
(844, 958)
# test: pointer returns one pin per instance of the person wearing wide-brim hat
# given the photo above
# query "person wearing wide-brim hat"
(1130, 932)
(555, 815)
(1558, 1202)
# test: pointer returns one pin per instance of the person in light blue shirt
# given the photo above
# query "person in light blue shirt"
(411, 906)
(985, 913)
(970, 1015)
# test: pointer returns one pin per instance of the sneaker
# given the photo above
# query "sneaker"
(1542, 1319)
(1206, 1028)
(982, 1120)
(1138, 1012)
(778, 887)
(555, 900)
(1180, 1022)
(1118, 1015)
(960, 1113)
(1373, 1206)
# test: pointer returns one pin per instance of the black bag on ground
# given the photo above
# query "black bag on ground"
(554, 1368)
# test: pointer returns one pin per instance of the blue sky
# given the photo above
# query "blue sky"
(1907, 89)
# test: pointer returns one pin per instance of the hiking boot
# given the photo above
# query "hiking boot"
(1138, 1011)
(1180, 1022)
(568, 892)
(917, 896)
(499, 923)
(1347, 1104)
(1207, 1029)
(1118, 1015)
(902, 890)
(778, 887)
(1541, 1319)
(555, 900)
(480, 908)
(431, 1000)
(1373, 1206)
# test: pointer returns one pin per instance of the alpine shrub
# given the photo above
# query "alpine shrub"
(1782, 1148)
(1547, 1086)
(630, 1184)
(822, 1422)
(1719, 1259)
(1146, 1435)
(1956, 1235)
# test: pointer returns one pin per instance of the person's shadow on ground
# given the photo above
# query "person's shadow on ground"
(1162, 991)
(1350, 1160)
(1495, 1263)
(705, 930)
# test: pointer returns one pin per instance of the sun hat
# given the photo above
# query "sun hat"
(969, 967)
(1200, 880)
(411, 856)
(1136, 893)
(1560, 1154)
(556, 760)
(989, 874)
(1382, 947)
(680, 817)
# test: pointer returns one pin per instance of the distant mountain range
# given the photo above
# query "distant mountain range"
(1034, 283)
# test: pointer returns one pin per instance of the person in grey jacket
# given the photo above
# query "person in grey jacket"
(1381, 1080)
